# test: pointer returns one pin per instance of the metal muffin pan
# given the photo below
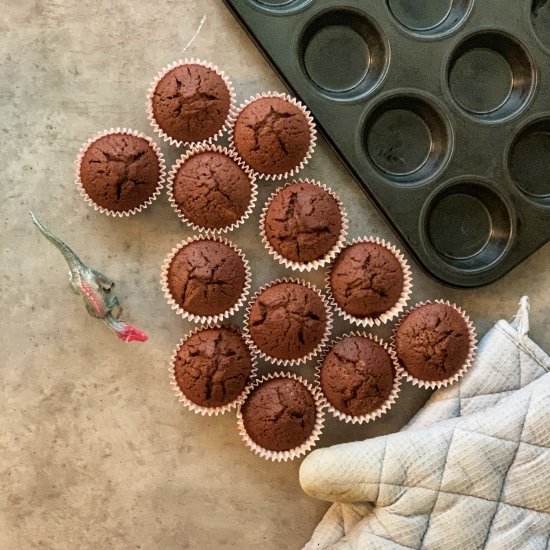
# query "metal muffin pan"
(439, 108)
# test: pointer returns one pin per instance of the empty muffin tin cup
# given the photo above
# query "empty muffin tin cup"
(191, 405)
(397, 308)
(280, 6)
(490, 76)
(388, 403)
(289, 362)
(204, 319)
(472, 337)
(344, 53)
(314, 264)
(528, 161)
(430, 19)
(222, 151)
(151, 115)
(102, 209)
(468, 224)
(407, 138)
(540, 20)
(304, 448)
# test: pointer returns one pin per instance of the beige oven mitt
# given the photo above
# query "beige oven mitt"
(471, 470)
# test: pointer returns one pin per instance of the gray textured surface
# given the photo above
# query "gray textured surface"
(95, 452)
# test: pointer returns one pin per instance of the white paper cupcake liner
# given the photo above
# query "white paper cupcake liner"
(204, 319)
(158, 78)
(102, 209)
(191, 405)
(289, 362)
(392, 397)
(224, 151)
(399, 305)
(314, 264)
(293, 453)
(312, 142)
(433, 384)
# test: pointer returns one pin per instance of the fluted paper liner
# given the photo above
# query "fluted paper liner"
(293, 453)
(401, 302)
(311, 354)
(388, 403)
(312, 130)
(313, 264)
(158, 78)
(204, 319)
(214, 149)
(191, 405)
(433, 384)
(128, 132)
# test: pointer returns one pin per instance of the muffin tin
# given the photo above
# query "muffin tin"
(439, 108)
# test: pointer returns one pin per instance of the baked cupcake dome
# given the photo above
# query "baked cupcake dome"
(273, 134)
(206, 277)
(357, 375)
(279, 414)
(212, 367)
(366, 280)
(302, 222)
(120, 171)
(210, 190)
(433, 342)
(190, 102)
(287, 321)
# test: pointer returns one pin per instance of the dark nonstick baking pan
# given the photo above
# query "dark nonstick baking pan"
(439, 108)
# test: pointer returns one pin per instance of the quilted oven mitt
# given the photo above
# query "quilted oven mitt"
(471, 470)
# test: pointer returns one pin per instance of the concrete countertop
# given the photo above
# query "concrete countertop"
(95, 451)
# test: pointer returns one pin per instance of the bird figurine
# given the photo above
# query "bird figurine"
(96, 290)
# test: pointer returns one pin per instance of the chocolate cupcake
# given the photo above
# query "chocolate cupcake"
(189, 103)
(274, 134)
(281, 417)
(211, 368)
(370, 282)
(303, 225)
(210, 190)
(359, 378)
(120, 172)
(288, 322)
(435, 344)
(205, 279)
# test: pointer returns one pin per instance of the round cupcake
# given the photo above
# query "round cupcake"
(274, 134)
(189, 103)
(211, 368)
(435, 344)
(210, 191)
(205, 279)
(303, 225)
(281, 417)
(288, 322)
(359, 378)
(120, 172)
(370, 282)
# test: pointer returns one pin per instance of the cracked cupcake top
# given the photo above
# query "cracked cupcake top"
(120, 171)
(206, 277)
(272, 135)
(366, 279)
(432, 342)
(287, 320)
(191, 103)
(211, 190)
(357, 375)
(303, 222)
(280, 414)
(212, 367)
